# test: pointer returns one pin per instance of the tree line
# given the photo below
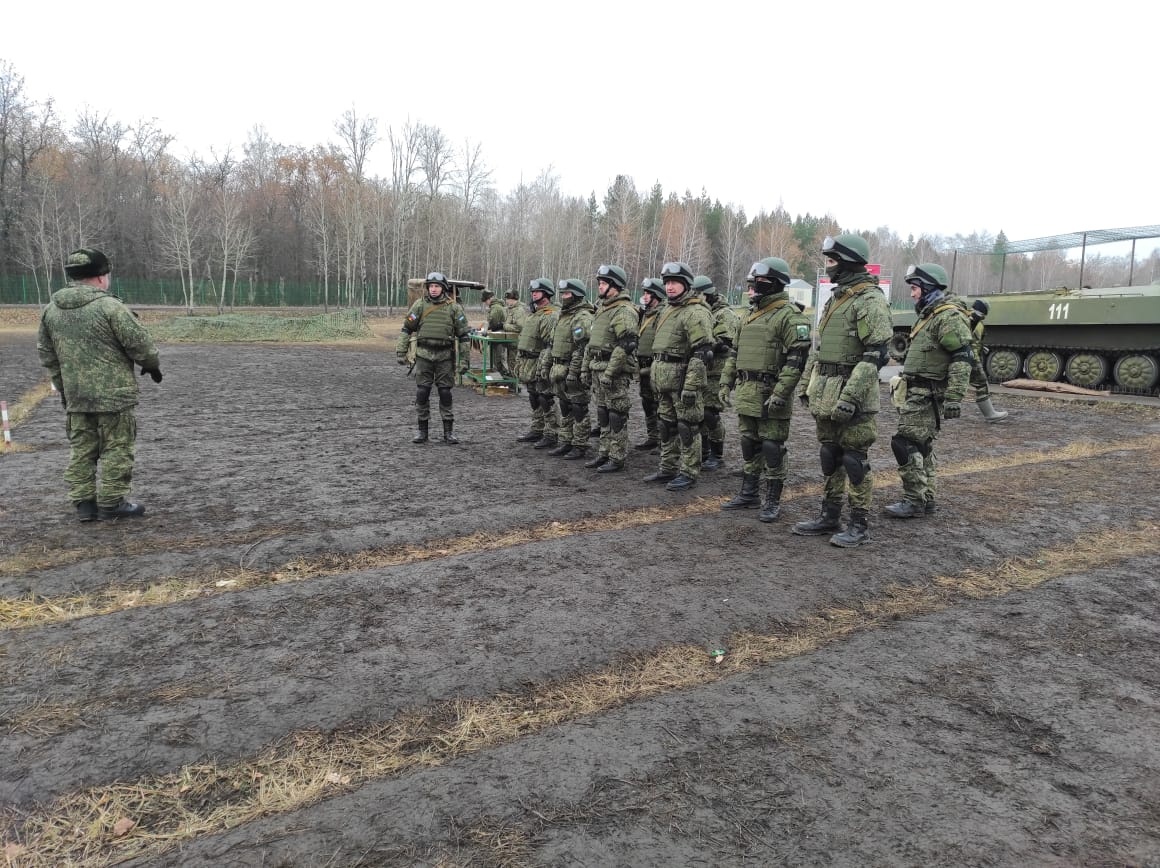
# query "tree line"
(227, 225)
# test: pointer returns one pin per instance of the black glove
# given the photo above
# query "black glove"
(63, 401)
(402, 360)
(688, 398)
(952, 410)
(155, 373)
(805, 399)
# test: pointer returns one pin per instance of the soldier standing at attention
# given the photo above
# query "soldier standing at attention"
(840, 386)
(534, 349)
(513, 323)
(496, 314)
(725, 325)
(651, 300)
(938, 368)
(569, 341)
(438, 324)
(975, 315)
(682, 349)
(773, 344)
(609, 365)
(89, 341)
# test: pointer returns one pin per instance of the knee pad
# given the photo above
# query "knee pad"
(617, 421)
(685, 431)
(534, 399)
(902, 448)
(748, 448)
(665, 429)
(857, 465)
(830, 456)
(712, 417)
(422, 395)
(602, 417)
(547, 401)
(772, 451)
(445, 396)
(579, 411)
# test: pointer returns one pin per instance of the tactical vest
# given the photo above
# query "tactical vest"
(926, 357)
(838, 330)
(648, 331)
(563, 339)
(437, 323)
(618, 312)
(531, 340)
(672, 337)
(759, 347)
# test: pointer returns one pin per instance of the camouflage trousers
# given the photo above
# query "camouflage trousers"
(713, 426)
(837, 439)
(106, 438)
(612, 406)
(979, 381)
(439, 373)
(918, 427)
(648, 405)
(680, 433)
(754, 433)
(574, 400)
(541, 397)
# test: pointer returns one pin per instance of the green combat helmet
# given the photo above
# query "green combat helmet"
(928, 272)
(614, 274)
(542, 284)
(653, 286)
(704, 285)
(769, 275)
(847, 248)
(438, 278)
(575, 286)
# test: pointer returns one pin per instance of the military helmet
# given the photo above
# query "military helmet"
(614, 274)
(770, 271)
(487, 294)
(677, 271)
(981, 308)
(511, 293)
(653, 286)
(542, 284)
(929, 273)
(704, 285)
(86, 262)
(439, 278)
(573, 285)
(847, 247)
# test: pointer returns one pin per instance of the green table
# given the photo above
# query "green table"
(487, 375)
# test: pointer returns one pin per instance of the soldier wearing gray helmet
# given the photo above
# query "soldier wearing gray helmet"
(609, 363)
(652, 300)
(725, 325)
(569, 341)
(534, 349)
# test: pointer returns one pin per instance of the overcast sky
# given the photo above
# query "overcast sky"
(929, 118)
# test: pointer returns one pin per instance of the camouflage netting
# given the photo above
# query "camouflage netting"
(342, 325)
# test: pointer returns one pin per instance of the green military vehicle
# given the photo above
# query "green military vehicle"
(1094, 338)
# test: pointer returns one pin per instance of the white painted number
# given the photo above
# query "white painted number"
(1058, 311)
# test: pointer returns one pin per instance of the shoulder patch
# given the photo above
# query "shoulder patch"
(578, 332)
(802, 332)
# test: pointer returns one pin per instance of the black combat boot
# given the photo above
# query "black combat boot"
(124, 509)
(771, 506)
(561, 450)
(594, 431)
(661, 475)
(578, 453)
(610, 466)
(596, 461)
(424, 427)
(682, 482)
(647, 445)
(747, 497)
(828, 521)
(530, 437)
(547, 441)
(448, 437)
(857, 532)
(86, 510)
(905, 509)
(713, 461)
(930, 507)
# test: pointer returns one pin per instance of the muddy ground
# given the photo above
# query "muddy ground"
(997, 728)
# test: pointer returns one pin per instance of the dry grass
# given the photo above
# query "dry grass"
(22, 407)
(119, 821)
(36, 611)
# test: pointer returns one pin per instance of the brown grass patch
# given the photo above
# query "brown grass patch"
(119, 821)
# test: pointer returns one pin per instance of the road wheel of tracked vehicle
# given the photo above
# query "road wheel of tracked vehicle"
(898, 345)
(1136, 372)
(1087, 370)
(1004, 365)
(1045, 365)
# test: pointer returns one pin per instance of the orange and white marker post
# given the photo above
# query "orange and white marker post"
(7, 431)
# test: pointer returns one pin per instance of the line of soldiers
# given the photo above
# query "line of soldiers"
(694, 356)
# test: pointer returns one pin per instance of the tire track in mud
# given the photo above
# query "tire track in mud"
(35, 611)
(105, 824)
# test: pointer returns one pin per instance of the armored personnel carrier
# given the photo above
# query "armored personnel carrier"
(1094, 338)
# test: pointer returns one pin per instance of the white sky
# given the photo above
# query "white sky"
(926, 117)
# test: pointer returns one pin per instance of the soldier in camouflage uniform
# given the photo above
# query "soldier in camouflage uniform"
(682, 349)
(534, 349)
(569, 341)
(609, 363)
(935, 377)
(438, 323)
(89, 341)
(975, 315)
(652, 299)
(773, 343)
(840, 386)
(496, 314)
(513, 322)
(725, 325)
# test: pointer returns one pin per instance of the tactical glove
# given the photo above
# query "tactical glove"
(401, 358)
(843, 411)
(805, 399)
(606, 382)
(586, 380)
(952, 410)
(775, 402)
(688, 399)
(723, 395)
(155, 373)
